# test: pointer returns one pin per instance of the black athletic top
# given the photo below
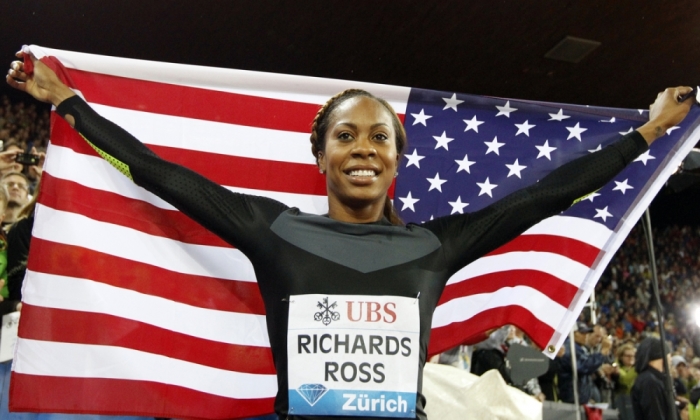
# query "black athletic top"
(294, 253)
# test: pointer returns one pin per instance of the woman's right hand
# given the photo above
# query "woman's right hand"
(43, 84)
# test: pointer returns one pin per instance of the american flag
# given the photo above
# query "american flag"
(132, 308)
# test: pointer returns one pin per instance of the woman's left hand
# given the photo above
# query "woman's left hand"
(666, 112)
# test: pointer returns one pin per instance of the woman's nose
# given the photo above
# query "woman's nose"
(364, 147)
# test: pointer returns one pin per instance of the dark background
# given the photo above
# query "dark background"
(493, 47)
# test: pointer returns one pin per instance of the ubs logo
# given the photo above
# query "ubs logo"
(372, 312)
(326, 313)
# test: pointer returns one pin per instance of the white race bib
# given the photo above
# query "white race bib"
(353, 355)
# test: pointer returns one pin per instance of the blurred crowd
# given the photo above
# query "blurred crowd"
(626, 306)
(624, 292)
(22, 124)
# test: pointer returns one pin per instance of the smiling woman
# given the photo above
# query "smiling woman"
(349, 296)
(357, 140)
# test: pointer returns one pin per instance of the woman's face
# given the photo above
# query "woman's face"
(360, 156)
(627, 358)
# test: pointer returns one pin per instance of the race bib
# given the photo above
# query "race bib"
(353, 355)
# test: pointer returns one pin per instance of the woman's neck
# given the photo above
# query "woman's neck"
(366, 214)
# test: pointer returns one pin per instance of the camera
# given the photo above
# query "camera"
(28, 159)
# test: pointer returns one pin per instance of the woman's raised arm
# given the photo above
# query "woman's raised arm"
(472, 235)
(234, 217)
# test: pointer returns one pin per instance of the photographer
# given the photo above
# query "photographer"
(587, 363)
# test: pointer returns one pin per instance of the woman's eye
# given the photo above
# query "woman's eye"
(381, 137)
(345, 136)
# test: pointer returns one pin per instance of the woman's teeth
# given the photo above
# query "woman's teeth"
(362, 172)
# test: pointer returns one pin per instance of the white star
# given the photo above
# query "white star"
(493, 146)
(458, 206)
(473, 124)
(641, 111)
(591, 196)
(515, 169)
(545, 150)
(464, 164)
(451, 102)
(600, 146)
(559, 116)
(421, 118)
(486, 187)
(611, 120)
(442, 141)
(575, 131)
(414, 159)
(436, 183)
(670, 130)
(408, 202)
(644, 157)
(622, 186)
(627, 132)
(505, 110)
(524, 128)
(602, 213)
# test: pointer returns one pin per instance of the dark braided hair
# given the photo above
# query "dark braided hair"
(320, 126)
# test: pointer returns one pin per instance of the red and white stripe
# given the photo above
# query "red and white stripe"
(530, 282)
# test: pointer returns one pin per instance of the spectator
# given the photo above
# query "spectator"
(16, 185)
(649, 396)
(549, 380)
(623, 379)
(602, 378)
(490, 354)
(19, 240)
(587, 363)
(683, 382)
(457, 357)
(626, 374)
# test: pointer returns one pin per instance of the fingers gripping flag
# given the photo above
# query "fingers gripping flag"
(132, 308)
